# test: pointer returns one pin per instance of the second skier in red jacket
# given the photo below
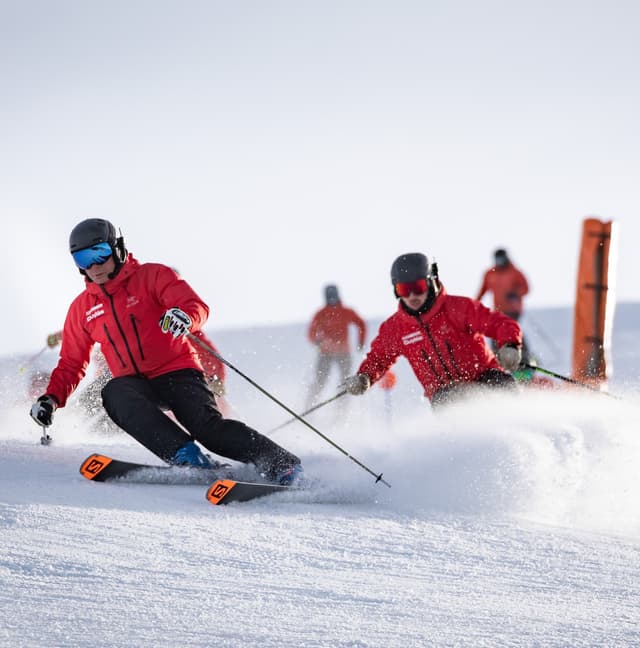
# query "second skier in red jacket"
(442, 336)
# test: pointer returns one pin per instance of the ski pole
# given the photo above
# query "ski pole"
(206, 347)
(45, 439)
(311, 409)
(569, 380)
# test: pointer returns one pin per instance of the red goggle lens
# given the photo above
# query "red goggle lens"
(418, 287)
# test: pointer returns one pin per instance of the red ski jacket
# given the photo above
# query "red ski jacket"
(329, 329)
(122, 315)
(508, 286)
(210, 364)
(445, 345)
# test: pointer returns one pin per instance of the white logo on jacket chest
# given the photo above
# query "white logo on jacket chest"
(412, 338)
(94, 312)
(132, 300)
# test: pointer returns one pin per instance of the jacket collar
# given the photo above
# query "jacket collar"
(427, 315)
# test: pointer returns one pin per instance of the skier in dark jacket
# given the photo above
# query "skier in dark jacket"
(442, 336)
(140, 315)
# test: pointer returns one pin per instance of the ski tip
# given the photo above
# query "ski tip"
(219, 490)
(93, 466)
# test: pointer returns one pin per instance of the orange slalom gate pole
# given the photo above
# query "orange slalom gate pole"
(593, 314)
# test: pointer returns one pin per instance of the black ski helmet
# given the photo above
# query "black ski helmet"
(501, 257)
(331, 294)
(409, 267)
(97, 230)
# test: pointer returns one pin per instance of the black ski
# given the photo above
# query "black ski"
(225, 491)
(100, 468)
(223, 487)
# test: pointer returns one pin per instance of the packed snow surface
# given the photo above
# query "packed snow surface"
(511, 520)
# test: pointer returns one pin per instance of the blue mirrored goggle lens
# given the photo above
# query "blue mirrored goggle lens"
(95, 255)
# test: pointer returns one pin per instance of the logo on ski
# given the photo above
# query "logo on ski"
(94, 465)
(225, 491)
(219, 489)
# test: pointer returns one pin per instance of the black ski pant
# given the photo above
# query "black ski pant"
(322, 372)
(495, 378)
(138, 404)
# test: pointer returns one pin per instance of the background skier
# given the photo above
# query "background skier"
(508, 286)
(329, 331)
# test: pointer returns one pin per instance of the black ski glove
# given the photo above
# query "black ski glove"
(42, 410)
(357, 384)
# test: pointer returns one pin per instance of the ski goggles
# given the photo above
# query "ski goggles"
(417, 287)
(95, 255)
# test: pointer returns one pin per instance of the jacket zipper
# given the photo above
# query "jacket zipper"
(135, 330)
(427, 359)
(113, 344)
(437, 352)
(122, 333)
(452, 359)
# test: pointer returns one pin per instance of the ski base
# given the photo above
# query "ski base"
(225, 491)
(101, 468)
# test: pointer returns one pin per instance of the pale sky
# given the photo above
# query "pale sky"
(268, 148)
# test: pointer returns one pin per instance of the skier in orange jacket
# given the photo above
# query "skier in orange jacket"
(508, 285)
(329, 331)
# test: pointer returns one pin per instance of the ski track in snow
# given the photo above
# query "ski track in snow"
(510, 521)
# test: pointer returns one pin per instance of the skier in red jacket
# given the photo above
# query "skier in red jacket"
(91, 397)
(508, 286)
(329, 331)
(442, 336)
(140, 315)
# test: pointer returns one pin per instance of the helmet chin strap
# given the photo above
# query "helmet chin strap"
(118, 267)
(111, 275)
(119, 256)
